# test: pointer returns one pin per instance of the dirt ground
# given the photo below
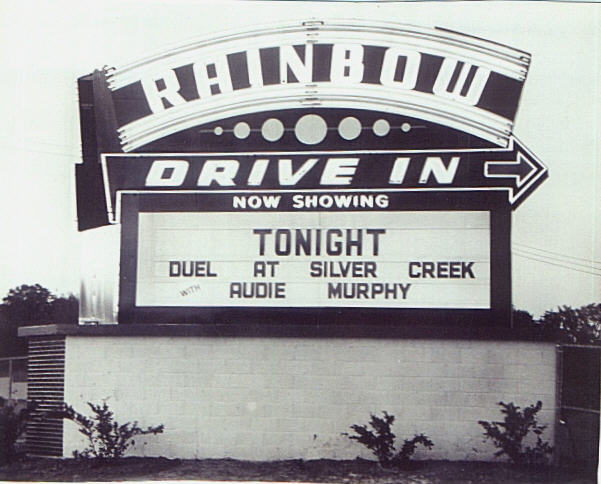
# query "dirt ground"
(326, 471)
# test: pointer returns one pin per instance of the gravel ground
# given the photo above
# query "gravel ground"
(357, 471)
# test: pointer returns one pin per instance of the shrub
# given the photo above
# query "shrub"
(508, 436)
(380, 441)
(13, 419)
(107, 438)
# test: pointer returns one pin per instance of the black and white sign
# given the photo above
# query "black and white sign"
(513, 171)
(315, 259)
(332, 168)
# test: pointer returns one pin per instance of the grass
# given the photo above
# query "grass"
(358, 471)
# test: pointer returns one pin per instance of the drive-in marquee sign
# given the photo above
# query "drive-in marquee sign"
(344, 169)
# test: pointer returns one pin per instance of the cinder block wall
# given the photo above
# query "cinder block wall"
(270, 398)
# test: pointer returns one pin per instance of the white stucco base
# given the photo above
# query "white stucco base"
(281, 398)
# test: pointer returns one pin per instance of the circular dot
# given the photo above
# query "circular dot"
(272, 129)
(405, 127)
(241, 130)
(218, 131)
(381, 127)
(349, 128)
(311, 129)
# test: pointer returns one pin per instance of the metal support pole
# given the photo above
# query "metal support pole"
(10, 379)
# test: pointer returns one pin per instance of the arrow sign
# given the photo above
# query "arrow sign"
(513, 169)
(522, 172)
(520, 169)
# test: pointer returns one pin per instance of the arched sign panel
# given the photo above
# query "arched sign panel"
(314, 172)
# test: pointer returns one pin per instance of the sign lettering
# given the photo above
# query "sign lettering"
(317, 259)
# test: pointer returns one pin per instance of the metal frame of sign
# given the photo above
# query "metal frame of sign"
(264, 317)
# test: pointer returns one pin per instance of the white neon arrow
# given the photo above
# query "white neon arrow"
(526, 170)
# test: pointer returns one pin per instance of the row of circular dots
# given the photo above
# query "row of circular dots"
(312, 129)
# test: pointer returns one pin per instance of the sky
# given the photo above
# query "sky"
(46, 46)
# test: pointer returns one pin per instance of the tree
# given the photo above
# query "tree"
(568, 325)
(65, 310)
(521, 319)
(27, 305)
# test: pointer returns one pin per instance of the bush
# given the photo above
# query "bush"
(508, 436)
(107, 438)
(380, 441)
(12, 425)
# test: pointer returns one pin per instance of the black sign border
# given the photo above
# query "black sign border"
(262, 321)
